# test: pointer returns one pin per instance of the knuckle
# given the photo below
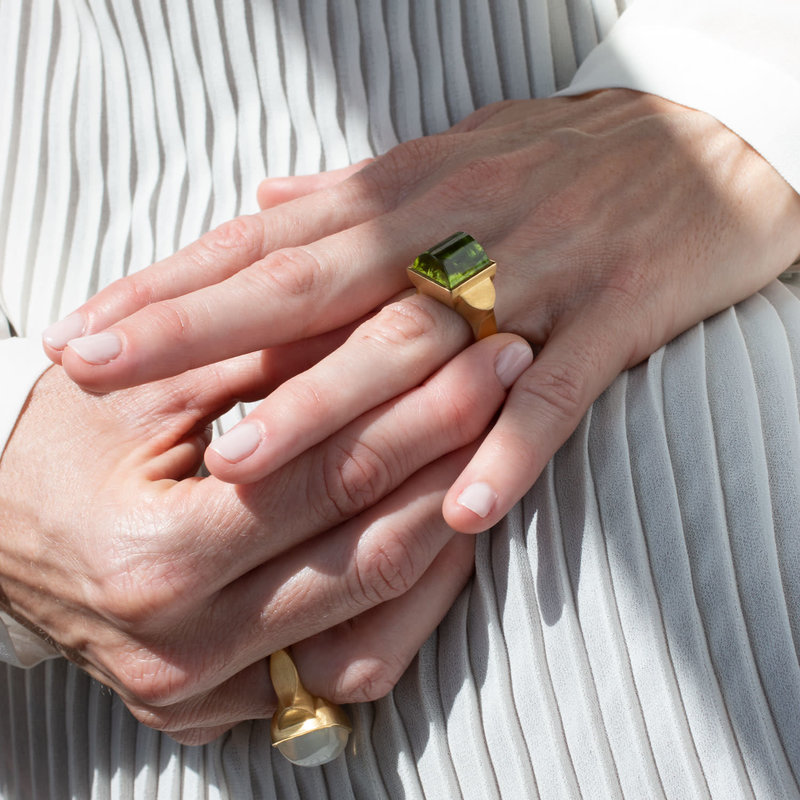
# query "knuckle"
(135, 290)
(457, 413)
(305, 398)
(406, 156)
(294, 272)
(398, 172)
(628, 281)
(572, 143)
(493, 177)
(384, 570)
(560, 387)
(135, 609)
(369, 679)
(242, 236)
(171, 317)
(116, 599)
(151, 684)
(151, 717)
(463, 416)
(136, 587)
(399, 324)
(354, 477)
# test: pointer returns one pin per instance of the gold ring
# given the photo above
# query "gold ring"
(458, 273)
(792, 270)
(307, 730)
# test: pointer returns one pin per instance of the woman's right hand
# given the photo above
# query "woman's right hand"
(173, 588)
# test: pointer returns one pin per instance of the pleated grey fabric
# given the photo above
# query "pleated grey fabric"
(631, 628)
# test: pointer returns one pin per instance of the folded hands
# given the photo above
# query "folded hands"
(617, 221)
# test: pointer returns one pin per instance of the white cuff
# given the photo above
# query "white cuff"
(22, 362)
(730, 77)
(21, 648)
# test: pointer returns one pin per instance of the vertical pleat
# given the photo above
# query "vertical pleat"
(114, 119)
(510, 763)
(424, 30)
(323, 79)
(460, 691)
(14, 42)
(406, 104)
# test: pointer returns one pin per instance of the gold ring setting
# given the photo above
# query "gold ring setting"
(307, 730)
(458, 273)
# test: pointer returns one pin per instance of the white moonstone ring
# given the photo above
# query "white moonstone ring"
(309, 731)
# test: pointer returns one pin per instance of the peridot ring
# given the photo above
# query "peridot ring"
(458, 273)
(308, 730)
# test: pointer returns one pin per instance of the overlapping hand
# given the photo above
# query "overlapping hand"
(617, 221)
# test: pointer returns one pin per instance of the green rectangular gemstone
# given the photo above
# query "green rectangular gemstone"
(453, 261)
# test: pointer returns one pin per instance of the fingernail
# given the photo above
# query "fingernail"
(512, 361)
(59, 333)
(479, 498)
(238, 442)
(99, 348)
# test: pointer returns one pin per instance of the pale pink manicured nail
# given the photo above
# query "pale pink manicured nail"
(479, 498)
(512, 361)
(59, 333)
(238, 442)
(99, 348)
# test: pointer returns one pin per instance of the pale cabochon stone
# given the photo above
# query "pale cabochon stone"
(316, 747)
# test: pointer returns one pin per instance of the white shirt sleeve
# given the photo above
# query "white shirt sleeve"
(22, 361)
(738, 60)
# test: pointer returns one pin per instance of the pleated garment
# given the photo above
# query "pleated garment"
(631, 627)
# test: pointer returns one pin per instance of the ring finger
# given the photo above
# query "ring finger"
(389, 354)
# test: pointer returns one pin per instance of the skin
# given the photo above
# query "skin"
(173, 589)
(617, 220)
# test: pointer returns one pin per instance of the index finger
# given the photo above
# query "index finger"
(289, 295)
(219, 254)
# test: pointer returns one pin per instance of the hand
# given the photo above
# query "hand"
(617, 220)
(172, 588)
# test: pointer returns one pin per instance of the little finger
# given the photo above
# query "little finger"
(203, 717)
(274, 191)
(543, 408)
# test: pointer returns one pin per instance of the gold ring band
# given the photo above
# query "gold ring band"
(458, 273)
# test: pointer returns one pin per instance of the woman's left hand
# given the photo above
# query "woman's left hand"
(617, 221)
